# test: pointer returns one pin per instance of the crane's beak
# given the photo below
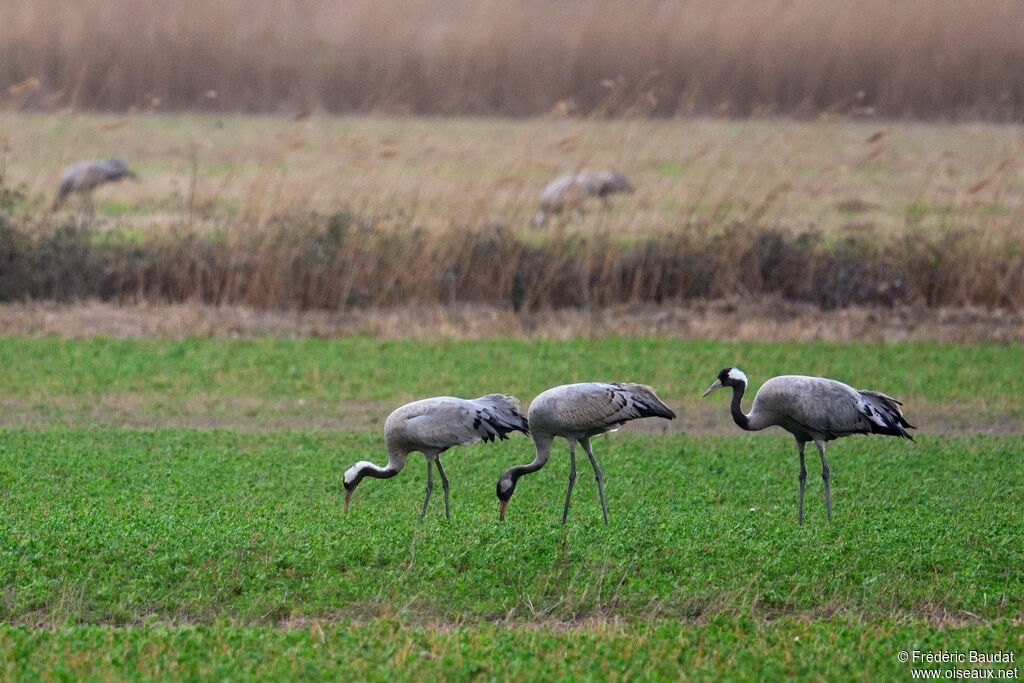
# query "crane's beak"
(501, 516)
(348, 496)
(714, 387)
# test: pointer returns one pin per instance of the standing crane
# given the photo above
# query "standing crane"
(85, 176)
(577, 412)
(568, 192)
(813, 409)
(432, 426)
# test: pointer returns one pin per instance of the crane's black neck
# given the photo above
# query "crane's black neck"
(737, 412)
(374, 471)
(386, 473)
(520, 470)
(512, 474)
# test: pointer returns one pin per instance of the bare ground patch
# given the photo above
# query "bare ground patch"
(937, 617)
(249, 414)
(766, 319)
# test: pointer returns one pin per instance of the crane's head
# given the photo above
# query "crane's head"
(353, 475)
(611, 182)
(729, 377)
(506, 487)
(118, 168)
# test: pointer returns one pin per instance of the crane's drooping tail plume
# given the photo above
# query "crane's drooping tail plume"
(498, 415)
(884, 414)
(644, 401)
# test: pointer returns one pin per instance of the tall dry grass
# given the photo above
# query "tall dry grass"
(344, 262)
(370, 213)
(927, 58)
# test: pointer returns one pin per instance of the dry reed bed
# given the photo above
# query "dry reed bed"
(344, 261)
(930, 58)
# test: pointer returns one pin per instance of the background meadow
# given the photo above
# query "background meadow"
(334, 216)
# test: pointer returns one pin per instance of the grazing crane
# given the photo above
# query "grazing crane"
(813, 409)
(85, 176)
(432, 426)
(578, 412)
(569, 191)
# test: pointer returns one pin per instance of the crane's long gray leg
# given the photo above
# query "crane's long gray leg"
(803, 478)
(824, 477)
(572, 478)
(444, 483)
(430, 487)
(597, 476)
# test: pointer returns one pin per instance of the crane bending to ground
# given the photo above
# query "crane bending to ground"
(85, 176)
(432, 426)
(570, 190)
(577, 412)
(813, 409)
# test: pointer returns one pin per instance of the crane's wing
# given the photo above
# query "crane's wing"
(832, 409)
(599, 406)
(884, 414)
(447, 421)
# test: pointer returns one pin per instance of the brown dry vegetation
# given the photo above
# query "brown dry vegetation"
(342, 214)
(760, 320)
(930, 58)
(341, 262)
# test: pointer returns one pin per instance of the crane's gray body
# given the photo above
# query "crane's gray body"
(84, 176)
(433, 425)
(578, 412)
(817, 408)
(570, 190)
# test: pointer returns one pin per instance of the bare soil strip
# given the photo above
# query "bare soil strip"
(139, 411)
(935, 616)
(766, 319)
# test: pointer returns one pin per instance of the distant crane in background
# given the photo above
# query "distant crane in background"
(568, 192)
(432, 426)
(813, 409)
(85, 176)
(577, 412)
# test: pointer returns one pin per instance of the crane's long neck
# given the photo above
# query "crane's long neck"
(741, 418)
(364, 468)
(507, 481)
(368, 469)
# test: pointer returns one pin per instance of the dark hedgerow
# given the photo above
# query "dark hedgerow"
(346, 261)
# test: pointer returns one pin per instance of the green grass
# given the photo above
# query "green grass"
(733, 649)
(240, 535)
(163, 375)
(117, 526)
(186, 553)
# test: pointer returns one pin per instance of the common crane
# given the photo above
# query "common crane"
(432, 426)
(85, 176)
(577, 412)
(813, 409)
(570, 190)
